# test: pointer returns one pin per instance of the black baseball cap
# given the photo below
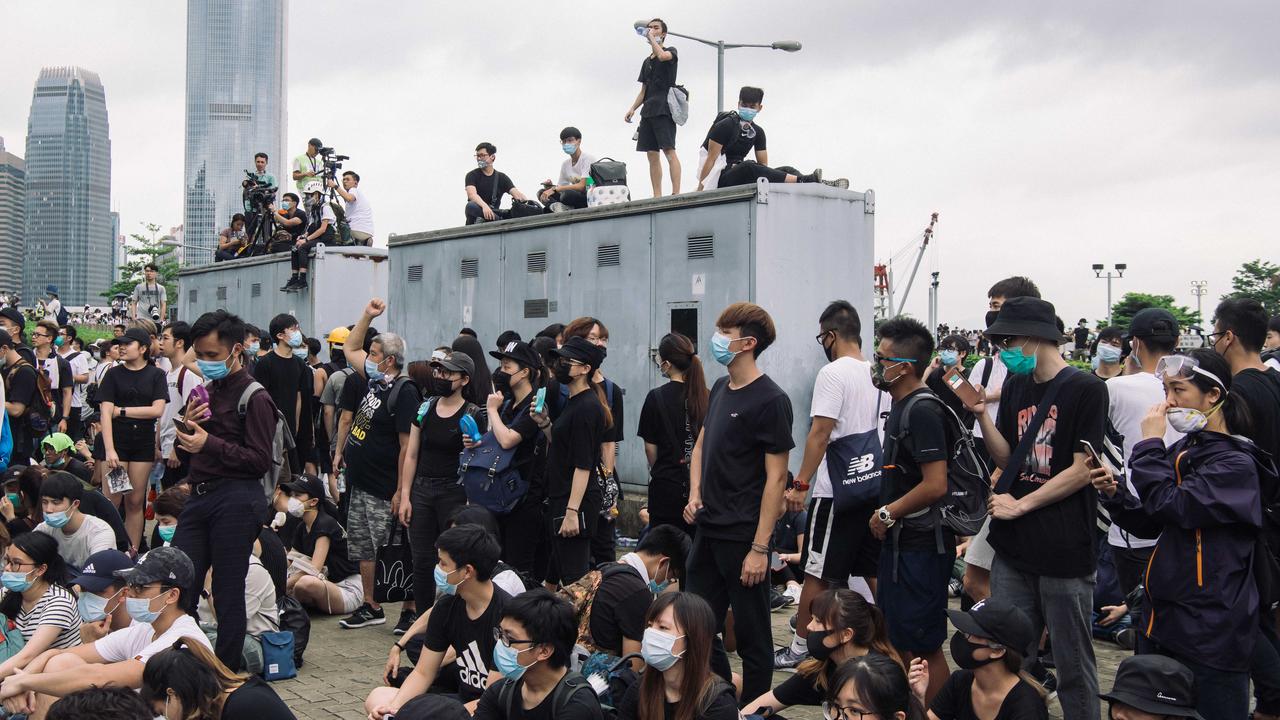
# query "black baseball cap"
(138, 335)
(1026, 317)
(12, 473)
(315, 142)
(100, 569)
(168, 566)
(521, 352)
(456, 361)
(999, 620)
(14, 315)
(576, 348)
(6, 340)
(1154, 684)
(306, 483)
(1153, 323)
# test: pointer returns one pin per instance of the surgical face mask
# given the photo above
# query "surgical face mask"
(15, 581)
(507, 660)
(657, 588)
(295, 507)
(215, 369)
(59, 341)
(720, 349)
(656, 647)
(747, 114)
(962, 652)
(1184, 420)
(140, 609)
(57, 519)
(14, 498)
(166, 532)
(443, 584)
(1109, 354)
(371, 371)
(92, 607)
(949, 357)
(301, 353)
(569, 148)
(878, 370)
(295, 339)
(1017, 362)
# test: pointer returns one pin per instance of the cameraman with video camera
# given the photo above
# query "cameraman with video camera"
(359, 213)
(308, 166)
(320, 229)
(259, 192)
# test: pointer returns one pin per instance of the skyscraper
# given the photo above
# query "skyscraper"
(68, 239)
(13, 203)
(235, 108)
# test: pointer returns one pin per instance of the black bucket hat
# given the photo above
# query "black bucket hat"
(1026, 317)
(1155, 684)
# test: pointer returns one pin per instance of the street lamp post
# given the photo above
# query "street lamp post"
(1119, 273)
(1199, 288)
(721, 46)
(172, 243)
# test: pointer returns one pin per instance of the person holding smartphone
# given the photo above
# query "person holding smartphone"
(572, 489)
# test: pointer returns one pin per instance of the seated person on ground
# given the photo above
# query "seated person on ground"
(168, 506)
(462, 619)
(261, 611)
(788, 538)
(155, 595)
(570, 190)
(99, 703)
(60, 454)
(37, 600)
(535, 639)
(101, 601)
(321, 575)
(623, 598)
(486, 186)
(78, 535)
(186, 680)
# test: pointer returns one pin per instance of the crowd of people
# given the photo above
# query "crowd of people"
(1061, 506)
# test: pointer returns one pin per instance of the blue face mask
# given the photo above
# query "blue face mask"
(15, 581)
(1109, 354)
(720, 349)
(442, 582)
(949, 357)
(507, 661)
(254, 347)
(59, 341)
(166, 532)
(657, 588)
(747, 114)
(1018, 363)
(300, 353)
(214, 369)
(371, 371)
(295, 339)
(569, 148)
(140, 610)
(92, 607)
(57, 519)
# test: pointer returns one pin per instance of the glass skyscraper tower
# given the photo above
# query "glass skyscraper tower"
(68, 196)
(235, 108)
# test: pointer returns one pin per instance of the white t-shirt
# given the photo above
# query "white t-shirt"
(93, 535)
(359, 212)
(1130, 398)
(52, 308)
(1273, 363)
(139, 641)
(79, 362)
(843, 392)
(260, 609)
(571, 172)
(177, 402)
(998, 374)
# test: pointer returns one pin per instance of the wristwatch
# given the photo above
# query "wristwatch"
(885, 518)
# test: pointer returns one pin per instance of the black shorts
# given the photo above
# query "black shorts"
(656, 133)
(134, 442)
(837, 545)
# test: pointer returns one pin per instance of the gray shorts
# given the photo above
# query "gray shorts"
(368, 525)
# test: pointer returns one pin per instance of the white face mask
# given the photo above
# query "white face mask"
(1189, 420)
(295, 507)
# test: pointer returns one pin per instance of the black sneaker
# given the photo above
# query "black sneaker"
(289, 286)
(777, 600)
(1047, 679)
(363, 616)
(301, 284)
(407, 618)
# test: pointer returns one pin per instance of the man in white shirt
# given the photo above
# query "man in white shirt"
(838, 544)
(570, 190)
(78, 535)
(174, 340)
(155, 591)
(358, 210)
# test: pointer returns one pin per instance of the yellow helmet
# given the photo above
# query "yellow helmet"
(338, 336)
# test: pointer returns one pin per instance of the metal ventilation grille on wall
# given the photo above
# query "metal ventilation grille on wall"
(536, 308)
(470, 268)
(701, 247)
(191, 296)
(536, 261)
(255, 290)
(222, 292)
(415, 273)
(609, 255)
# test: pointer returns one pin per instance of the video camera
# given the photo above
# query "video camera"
(332, 162)
(257, 195)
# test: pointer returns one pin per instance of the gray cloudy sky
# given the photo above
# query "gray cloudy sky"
(1048, 136)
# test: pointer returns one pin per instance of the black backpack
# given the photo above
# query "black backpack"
(607, 171)
(294, 619)
(561, 696)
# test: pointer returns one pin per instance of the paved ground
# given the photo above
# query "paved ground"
(343, 665)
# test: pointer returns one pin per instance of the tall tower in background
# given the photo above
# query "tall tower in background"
(68, 239)
(235, 108)
(13, 203)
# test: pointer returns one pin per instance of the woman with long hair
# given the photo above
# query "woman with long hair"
(188, 682)
(37, 600)
(1202, 497)
(842, 626)
(481, 384)
(21, 507)
(871, 687)
(678, 683)
(669, 425)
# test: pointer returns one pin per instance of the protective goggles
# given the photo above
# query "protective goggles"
(1185, 367)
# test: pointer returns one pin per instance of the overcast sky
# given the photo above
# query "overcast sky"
(1049, 136)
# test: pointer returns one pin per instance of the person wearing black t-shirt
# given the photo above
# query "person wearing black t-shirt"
(617, 619)
(916, 558)
(534, 643)
(21, 400)
(522, 530)
(325, 579)
(669, 425)
(732, 136)
(951, 354)
(463, 619)
(284, 373)
(1043, 528)
(657, 128)
(133, 396)
(573, 493)
(737, 477)
(486, 186)
(430, 490)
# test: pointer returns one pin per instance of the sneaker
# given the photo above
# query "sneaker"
(784, 659)
(363, 616)
(777, 600)
(793, 592)
(290, 286)
(955, 588)
(558, 207)
(1045, 677)
(842, 183)
(301, 284)
(1125, 638)
(407, 618)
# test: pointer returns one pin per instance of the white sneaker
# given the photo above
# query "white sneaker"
(793, 592)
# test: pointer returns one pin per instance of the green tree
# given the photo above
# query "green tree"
(1260, 280)
(147, 249)
(1122, 312)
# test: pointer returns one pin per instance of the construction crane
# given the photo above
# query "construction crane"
(886, 307)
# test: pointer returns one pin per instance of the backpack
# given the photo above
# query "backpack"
(487, 472)
(40, 412)
(6, 442)
(342, 235)
(561, 696)
(607, 171)
(582, 593)
(278, 656)
(964, 508)
(11, 639)
(282, 443)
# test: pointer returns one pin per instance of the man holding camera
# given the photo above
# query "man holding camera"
(308, 166)
(259, 178)
(358, 210)
(149, 295)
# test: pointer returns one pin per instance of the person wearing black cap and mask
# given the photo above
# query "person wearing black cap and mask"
(1150, 687)
(1042, 514)
(308, 165)
(12, 322)
(521, 531)
(988, 645)
(572, 490)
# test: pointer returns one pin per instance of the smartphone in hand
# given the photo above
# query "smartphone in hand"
(1093, 459)
(540, 401)
(963, 389)
(183, 427)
